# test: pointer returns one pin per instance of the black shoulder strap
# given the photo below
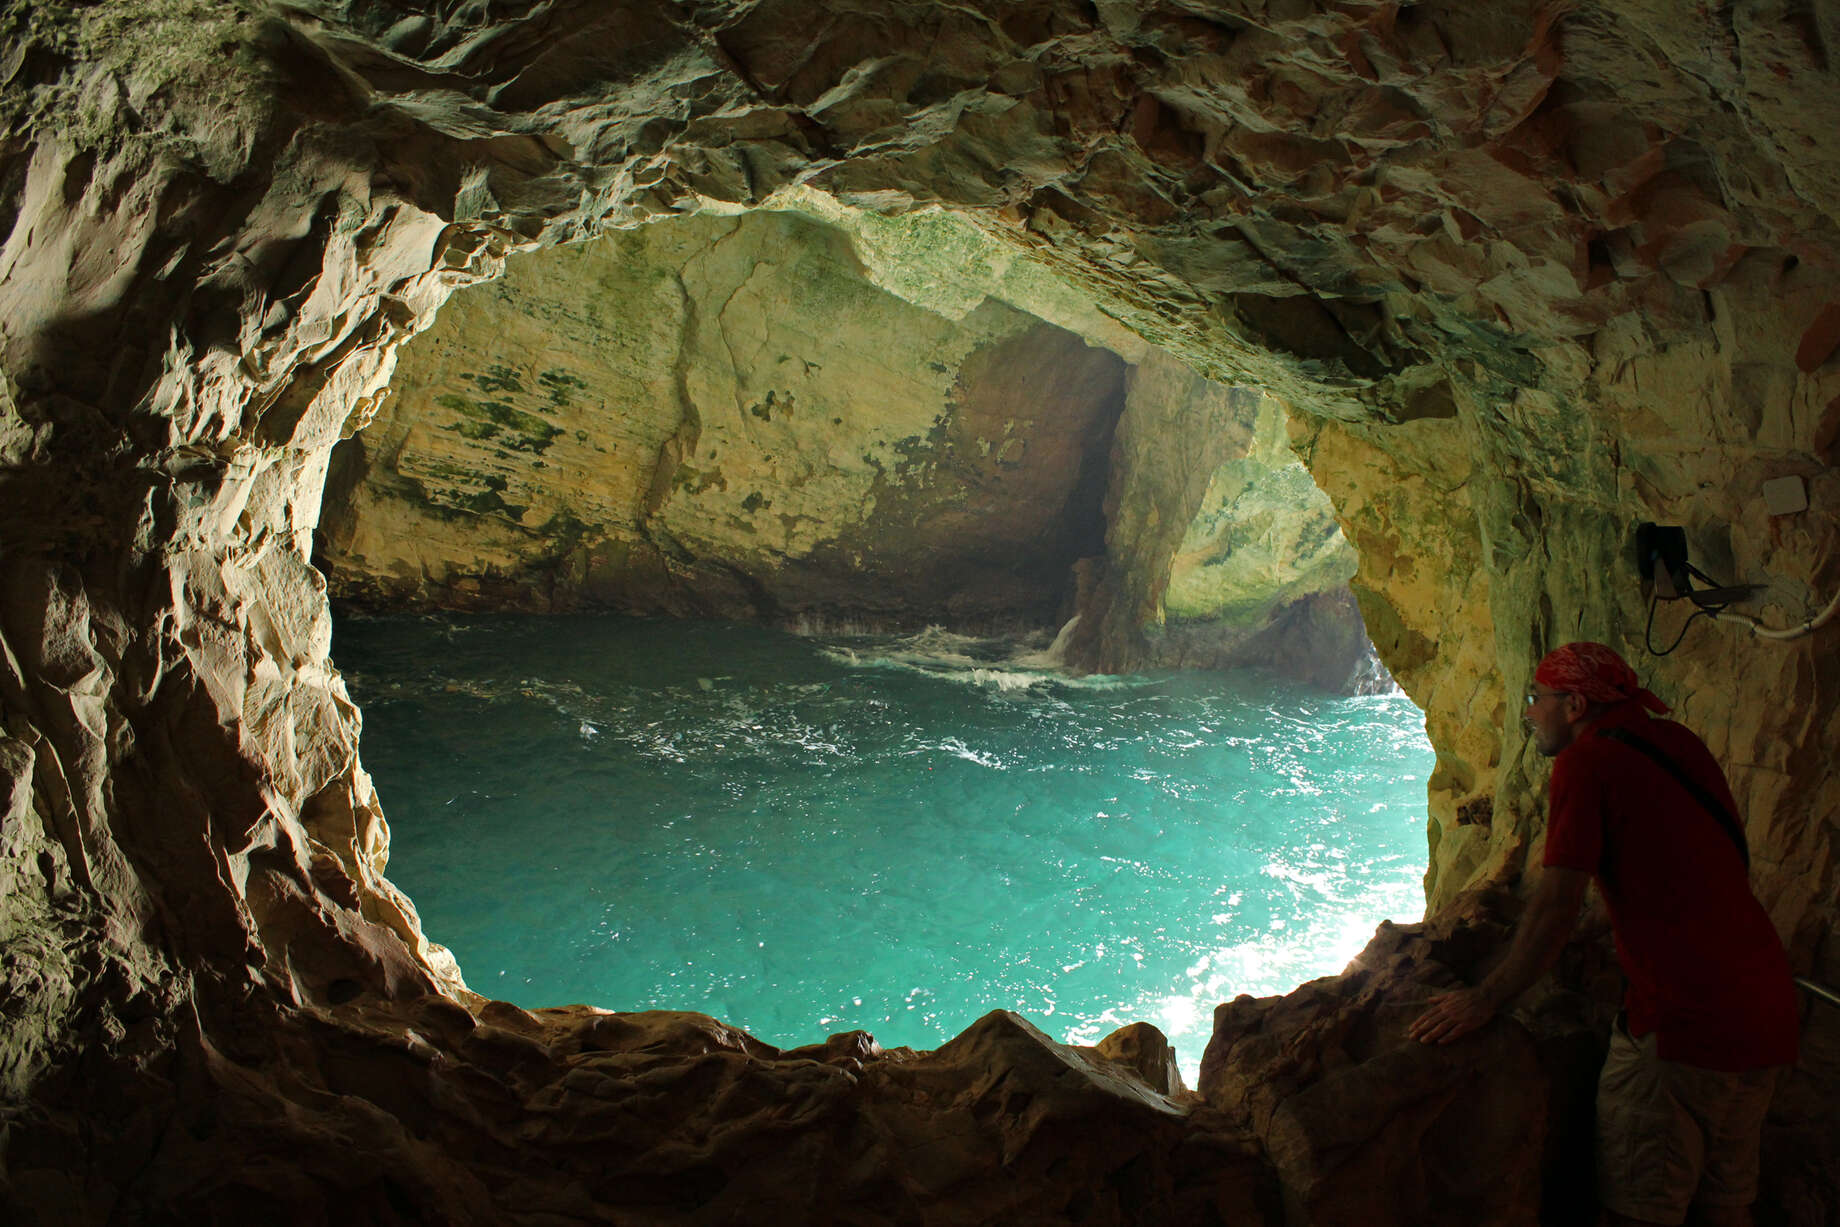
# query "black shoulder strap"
(1711, 804)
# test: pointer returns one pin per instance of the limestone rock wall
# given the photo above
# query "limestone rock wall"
(1525, 272)
(731, 416)
(1264, 534)
(721, 416)
(1264, 552)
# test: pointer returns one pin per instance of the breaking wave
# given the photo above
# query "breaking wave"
(802, 835)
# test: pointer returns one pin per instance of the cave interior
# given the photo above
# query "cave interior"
(1523, 275)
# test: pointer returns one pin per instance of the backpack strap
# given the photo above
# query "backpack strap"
(1711, 804)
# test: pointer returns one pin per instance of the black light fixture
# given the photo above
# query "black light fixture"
(1661, 558)
(1661, 561)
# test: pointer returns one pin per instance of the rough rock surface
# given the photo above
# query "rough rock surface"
(1525, 273)
(730, 416)
(424, 1111)
(1499, 1125)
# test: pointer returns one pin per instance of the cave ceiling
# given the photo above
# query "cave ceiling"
(1524, 272)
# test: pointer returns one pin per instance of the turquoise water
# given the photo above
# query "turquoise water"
(803, 835)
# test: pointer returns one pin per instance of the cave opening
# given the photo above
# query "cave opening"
(1524, 278)
(854, 473)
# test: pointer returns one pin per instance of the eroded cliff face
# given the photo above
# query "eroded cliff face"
(1523, 273)
(744, 417)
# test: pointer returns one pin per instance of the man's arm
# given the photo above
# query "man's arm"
(1538, 938)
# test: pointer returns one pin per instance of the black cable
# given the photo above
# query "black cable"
(1648, 632)
(1731, 594)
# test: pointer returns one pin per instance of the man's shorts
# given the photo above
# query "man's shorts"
(1670, 1134)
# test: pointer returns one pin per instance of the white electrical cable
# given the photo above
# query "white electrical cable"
(1791, 632)
(1826, 994)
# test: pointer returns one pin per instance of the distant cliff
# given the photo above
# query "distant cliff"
(728, 416)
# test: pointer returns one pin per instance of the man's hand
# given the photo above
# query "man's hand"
(1537, 940)
(1453, 1016)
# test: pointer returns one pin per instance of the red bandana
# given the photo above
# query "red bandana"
(1596, 672)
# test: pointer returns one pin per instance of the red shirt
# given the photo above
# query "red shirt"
(1706, 970)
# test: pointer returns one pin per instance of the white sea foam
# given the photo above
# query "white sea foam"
(1140, 854)
(1008, 679)
(1054, 656)
(1013, 663)
(958, 749)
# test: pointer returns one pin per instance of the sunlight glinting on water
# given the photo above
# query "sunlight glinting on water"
(806, 835)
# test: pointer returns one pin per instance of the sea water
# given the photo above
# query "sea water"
(807, 834)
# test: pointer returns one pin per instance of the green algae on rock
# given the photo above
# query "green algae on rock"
(823, 432)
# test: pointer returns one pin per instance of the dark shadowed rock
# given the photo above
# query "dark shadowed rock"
(1365, 1124)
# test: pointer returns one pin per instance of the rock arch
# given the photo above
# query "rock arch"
(1528, 273)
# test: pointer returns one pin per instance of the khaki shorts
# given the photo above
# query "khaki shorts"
(1670, 1134)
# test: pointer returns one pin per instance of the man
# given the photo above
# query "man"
(1710, 1015)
